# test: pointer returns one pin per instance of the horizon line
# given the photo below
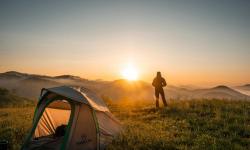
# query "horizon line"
(105, 80)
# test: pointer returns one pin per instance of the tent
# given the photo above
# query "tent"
(71, 118)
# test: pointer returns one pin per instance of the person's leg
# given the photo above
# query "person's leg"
(163, 97)
(157, 103)
(157, 98)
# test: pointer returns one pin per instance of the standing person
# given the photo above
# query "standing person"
(159, 82)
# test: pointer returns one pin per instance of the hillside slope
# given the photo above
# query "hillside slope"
(7, 99)
(219, 92)
(245, 89)
(30, 85)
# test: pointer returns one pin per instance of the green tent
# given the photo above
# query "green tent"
(71, 118)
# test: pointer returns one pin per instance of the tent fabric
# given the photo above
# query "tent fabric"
(84, 130)
(82, 95)
(67, 92)
(107, 123)
(109, 127)
(93, 99)
(60, 104)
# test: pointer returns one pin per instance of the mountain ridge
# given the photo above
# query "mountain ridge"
(29, 85)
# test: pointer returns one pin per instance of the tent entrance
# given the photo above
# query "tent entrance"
(52, 125)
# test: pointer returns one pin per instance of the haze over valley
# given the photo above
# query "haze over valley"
(30, 85)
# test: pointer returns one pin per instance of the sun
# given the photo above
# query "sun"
(130, 72)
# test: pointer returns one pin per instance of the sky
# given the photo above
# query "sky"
(192, 42)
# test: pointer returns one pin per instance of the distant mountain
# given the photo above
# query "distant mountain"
(18, 75)
(139, 90)
(12, 75)
(9, 99)
(219, 92)
(247, 85)
(25, 85)
(68, 77)
(245, 89)
(30, 85)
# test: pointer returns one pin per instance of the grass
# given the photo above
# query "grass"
(196, 124)
(14, 125)
(8, 99)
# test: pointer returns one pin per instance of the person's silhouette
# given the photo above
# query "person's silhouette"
(159, 82)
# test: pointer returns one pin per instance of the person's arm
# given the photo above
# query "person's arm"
(164, 83)
(153, 83)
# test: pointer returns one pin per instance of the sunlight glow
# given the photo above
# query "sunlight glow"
(130, 73)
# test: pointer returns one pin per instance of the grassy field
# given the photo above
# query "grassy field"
(184, 125)
(14, 124)
(212, 124)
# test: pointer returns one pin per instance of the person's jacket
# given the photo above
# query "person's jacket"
(159, 82)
